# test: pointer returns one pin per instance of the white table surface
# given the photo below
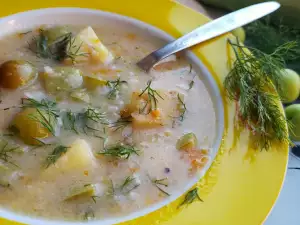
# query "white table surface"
(287, 208)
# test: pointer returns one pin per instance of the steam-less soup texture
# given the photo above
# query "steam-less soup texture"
(86, 134)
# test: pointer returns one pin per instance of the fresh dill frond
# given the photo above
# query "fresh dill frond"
(55, 155)
(57, 50)
(95, 115)
(94, 198)
(191, 84)
(69, 121)
(43, 104)
(159, 183)
(190, 197)
(46, 119)
(89, 215)
(47, 112)
(182, 108)
(152, 98)
(6, 150)
(121, 123)
(129, 184)
(121, 151)
(252, 82)
(114, 86)
(84, 121)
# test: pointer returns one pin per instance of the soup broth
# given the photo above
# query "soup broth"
(90, 136)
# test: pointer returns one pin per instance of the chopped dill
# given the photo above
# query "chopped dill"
(129, 185)
(190, 197)
(46, 119)
(252, 82)
(159, 183)
(55, 155)
(43, 104)
(114, 87)
(121, 151)
(58, 50)
(47, 112)
(89, 215)
(94, 198)
(84, 121)
(69, 121)
(182, 108)
(152, 99)
(121, 123)
(6, 150)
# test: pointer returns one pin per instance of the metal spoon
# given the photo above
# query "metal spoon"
(210, 30)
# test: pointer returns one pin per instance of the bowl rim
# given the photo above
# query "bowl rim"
(219, 110)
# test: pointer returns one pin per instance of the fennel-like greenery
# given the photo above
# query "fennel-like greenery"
(252, 82)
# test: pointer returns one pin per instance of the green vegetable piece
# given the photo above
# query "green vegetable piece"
(88, 190)
(292, 113)
(34, 124)
(187, 142)
(62, 79)
(80, 95)
(54, 33)
(290, 85)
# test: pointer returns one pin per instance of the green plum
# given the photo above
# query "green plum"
(240, 34)
(292, 113)
(290, 86)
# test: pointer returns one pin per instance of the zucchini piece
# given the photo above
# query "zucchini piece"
(80, 95)
(87, 190)
(79, 157)
(187, 142)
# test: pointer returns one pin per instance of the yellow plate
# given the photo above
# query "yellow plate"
(242, 185)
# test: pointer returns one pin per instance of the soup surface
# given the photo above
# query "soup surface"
(86, 134)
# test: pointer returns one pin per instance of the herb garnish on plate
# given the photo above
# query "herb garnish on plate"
(252, 82)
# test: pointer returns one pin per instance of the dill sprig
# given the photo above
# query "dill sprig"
(182, 108)
(46, 119)
(71, 117)
(129, 184)
(84, 121)
(114, 86)
(55, 155)
(43, 104)
(121, 123)
(121, 151)
(92, 115)
(159, 183)
(252, 82)
(152, 98)
(89, 215)
(190, 197)
(6, 150)
(57, 50)
(47, 112)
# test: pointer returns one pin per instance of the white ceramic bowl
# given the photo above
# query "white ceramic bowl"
(78, 16)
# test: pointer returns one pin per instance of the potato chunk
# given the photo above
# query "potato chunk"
(92, 46)
(78, 157)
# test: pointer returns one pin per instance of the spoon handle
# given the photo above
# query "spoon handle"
(210, 30)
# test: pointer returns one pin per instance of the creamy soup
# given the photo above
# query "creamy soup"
(86, 134)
